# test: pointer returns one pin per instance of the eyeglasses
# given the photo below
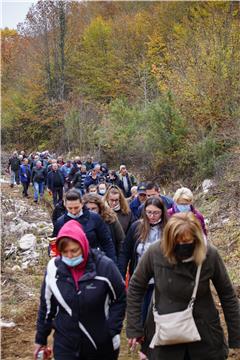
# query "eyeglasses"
(154, 213)
(113, 201)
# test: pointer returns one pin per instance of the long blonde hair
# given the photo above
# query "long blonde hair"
(114, 189)
(178, 225)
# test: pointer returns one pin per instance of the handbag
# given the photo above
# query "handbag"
(178, 327)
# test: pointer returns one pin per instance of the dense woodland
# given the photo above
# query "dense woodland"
(155, 84)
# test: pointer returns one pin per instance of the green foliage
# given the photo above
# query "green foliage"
(205, 153)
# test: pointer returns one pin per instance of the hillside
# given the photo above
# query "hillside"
(22, 271)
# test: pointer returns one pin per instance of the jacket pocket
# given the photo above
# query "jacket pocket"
(216, 333)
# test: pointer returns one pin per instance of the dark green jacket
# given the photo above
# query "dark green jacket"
(173, 289)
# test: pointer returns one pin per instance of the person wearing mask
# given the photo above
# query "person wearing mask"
(96, 230)
(139, 199)
(55, 182)
(95, 203)
(142, 234)
(116, 201)
(127, 180)
(102, 188)
(83, 299)
(183, 202)
(173, 263)
(13, 168)
(25, 176)
(39, 180)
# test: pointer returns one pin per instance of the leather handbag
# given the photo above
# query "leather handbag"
(178, 327)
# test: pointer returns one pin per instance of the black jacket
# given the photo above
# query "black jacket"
(39, 175)
(96, 230)
(85, 320)
(55, 180)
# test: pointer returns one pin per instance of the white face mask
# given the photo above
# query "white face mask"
(102, 191)
(117, 207)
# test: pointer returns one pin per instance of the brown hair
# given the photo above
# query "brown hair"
(144, 225)
(177, 226)
(105, 212)
(62, 243)
(114, 189)
(72, 195)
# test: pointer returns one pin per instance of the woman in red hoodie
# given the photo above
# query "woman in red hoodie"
(83, 299)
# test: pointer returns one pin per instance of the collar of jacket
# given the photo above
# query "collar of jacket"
(84, 217)
(89, 272)
(180, 267)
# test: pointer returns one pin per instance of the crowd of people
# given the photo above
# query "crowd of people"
(120, 244)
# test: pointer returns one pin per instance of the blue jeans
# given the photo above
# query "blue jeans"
(14, 177)
(38, 189)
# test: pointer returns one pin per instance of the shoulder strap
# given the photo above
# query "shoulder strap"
(191, 303)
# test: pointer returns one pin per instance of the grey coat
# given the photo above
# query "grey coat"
(173, 289)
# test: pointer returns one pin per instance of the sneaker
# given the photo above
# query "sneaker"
(11, 185)
(35, 201)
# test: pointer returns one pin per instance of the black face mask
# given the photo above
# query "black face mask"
(184, 251)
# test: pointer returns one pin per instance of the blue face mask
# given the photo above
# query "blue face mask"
(73, 261)
(184, 208)
(74, 216)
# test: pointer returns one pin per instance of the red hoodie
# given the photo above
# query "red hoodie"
(73, 230)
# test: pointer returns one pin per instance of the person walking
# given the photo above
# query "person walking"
(173, 262)
(14, 167)
(25, 176)
(127, 180)
(95, 203)
(96, 230)
(183, 202)
(116, 201)
(39, 180)
(55, 183)
(82, 299)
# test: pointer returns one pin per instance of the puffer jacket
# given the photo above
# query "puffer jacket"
(86, 320)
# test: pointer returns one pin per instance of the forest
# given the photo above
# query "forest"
(155, 84)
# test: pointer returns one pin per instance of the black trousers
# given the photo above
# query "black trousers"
(57, 195)
(25, 188)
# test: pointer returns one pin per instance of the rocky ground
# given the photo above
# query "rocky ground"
(24, 257)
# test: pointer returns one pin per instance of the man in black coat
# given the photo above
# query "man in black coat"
(94, 227)
(14, 167)
(55, 182)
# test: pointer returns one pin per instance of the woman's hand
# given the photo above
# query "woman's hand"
(133, 342)
(37, 348)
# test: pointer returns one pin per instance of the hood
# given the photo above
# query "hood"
(73, 230)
